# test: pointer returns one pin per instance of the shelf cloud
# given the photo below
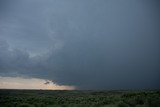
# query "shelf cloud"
(106, 44)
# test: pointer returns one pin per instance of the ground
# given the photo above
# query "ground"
(75, 98)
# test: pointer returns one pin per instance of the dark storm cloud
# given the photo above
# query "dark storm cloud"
(106, 44)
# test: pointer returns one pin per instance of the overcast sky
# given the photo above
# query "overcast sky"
(89, 44)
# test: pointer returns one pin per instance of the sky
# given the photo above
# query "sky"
(30, 83)
(80, 44)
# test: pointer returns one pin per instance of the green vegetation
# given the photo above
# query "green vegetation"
(44, 98)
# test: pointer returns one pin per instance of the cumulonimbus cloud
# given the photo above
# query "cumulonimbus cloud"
(102, 45)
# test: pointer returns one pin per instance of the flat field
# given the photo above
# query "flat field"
(75, 98)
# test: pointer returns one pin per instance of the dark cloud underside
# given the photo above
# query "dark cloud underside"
(98, 44)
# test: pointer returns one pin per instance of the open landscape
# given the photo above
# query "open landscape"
(79, 53)
(75, 98)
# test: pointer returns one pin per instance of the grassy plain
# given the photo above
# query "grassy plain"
(75, 98)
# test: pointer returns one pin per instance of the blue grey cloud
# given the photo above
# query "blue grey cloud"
(106, 44)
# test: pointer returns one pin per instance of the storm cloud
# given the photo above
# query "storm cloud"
(90, 44)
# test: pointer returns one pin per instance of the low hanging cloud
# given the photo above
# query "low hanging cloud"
(89, 45)
(29, 83)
